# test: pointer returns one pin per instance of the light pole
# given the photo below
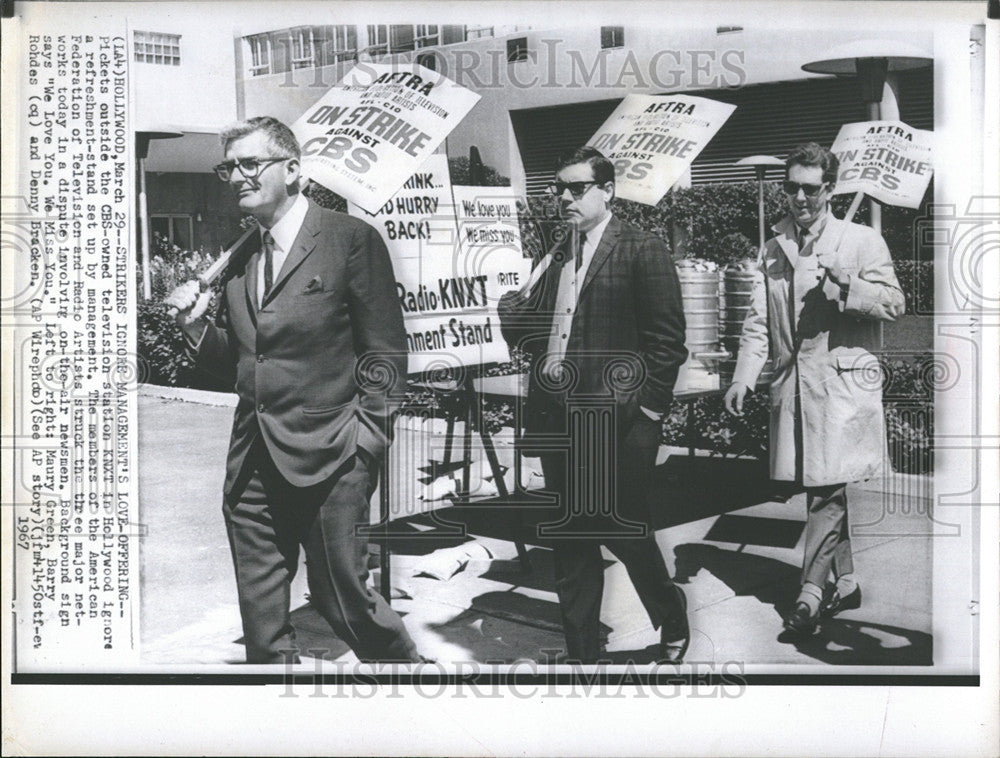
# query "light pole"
(142, 139)
(760, 163)
(871, 61)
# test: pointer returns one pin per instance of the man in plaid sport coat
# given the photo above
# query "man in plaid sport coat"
(605, 327)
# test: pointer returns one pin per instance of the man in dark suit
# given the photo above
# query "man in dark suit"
(605, 327)
(308, 319)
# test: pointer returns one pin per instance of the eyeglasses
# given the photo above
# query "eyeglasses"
(249, 167)
(576, 189)
(810, 190)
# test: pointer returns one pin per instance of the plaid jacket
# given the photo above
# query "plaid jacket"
(626, 343)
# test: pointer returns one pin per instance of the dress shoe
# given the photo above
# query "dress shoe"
(675, 634)
(833, 603)
(801, 621)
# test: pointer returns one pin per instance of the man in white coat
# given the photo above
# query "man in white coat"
(825, 285)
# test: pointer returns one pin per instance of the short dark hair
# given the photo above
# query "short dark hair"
(601, 167)
(282, 142)
(814, 154)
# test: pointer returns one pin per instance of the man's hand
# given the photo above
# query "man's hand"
(733, 401)
(187, 304)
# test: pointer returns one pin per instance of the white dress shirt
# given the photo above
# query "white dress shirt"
(284, 232)
(568, 294)
(567, 298)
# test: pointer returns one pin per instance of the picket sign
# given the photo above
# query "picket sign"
(848, 217)
(888, 160)
(651, 140)
(210, 274)
(536, 274)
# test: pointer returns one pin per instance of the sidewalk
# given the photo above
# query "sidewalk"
(735, 551)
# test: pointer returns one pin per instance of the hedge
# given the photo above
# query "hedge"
(162, 350)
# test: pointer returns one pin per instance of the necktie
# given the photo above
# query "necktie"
(268, 263)
(578, 257)
(800, 238)
(803, 240)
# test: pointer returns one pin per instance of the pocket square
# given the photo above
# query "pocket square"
(315, 285)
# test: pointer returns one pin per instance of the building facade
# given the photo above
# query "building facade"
(542, 90)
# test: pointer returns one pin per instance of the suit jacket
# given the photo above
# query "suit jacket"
(822, 347)
(626, 342)
(314, 365)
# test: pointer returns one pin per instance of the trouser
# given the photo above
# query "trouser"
(267, 519)
(828, 542)
(579, 567)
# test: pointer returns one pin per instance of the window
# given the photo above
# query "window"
(403, 39)
(478, 32)
(302, 48)
(612, 36)
(176, 229)
(283, 50)
(378, 41)
(426, 36)
(400, 39)
(427, 60)
(153, 47)
(517, 49)
(260, 55)
(452, 33)
(341, 44)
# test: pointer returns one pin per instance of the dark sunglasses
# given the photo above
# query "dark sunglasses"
(576, 189)
(249, 167)
(810, 190)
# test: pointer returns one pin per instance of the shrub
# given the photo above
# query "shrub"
(908, 391)
(711, 213)
(916, 278)
(737, 247)
(654, 219)
(910, 431)
(459, 169)
(160, 344)
(325, 198)
(161, 347)
(533, 213)
(901, 229)
(169, 266)
(716, 430)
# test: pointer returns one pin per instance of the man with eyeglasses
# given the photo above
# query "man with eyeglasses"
(308, 315)
(605, 327)
(825, 285)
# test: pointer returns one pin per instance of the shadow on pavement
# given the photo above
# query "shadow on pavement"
(314, 637)
(420, 535)
(540, 577)
(756, 530)
(690, 489)
(502, 627)
(847, 642)
(684, 490)
(769, 580)
(839, 641)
